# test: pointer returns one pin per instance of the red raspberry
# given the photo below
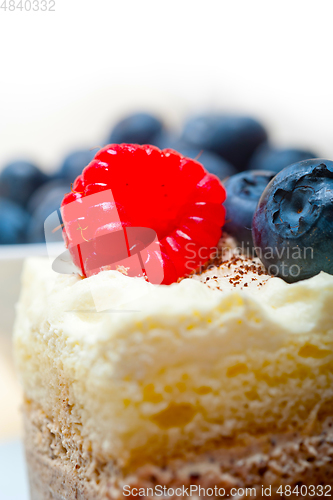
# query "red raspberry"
(162, 190)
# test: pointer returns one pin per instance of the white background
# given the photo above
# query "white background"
(65, 76)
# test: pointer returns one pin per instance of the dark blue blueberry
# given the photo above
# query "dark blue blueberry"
(19, 179)
(233, 137)
(212, 162)
(45, 200)
(293, 223)
(243, 193)
(267, 157)
(74, 163)
(14, 222)
(168, 140)
(138, 128)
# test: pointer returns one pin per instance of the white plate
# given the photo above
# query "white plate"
(13, 476)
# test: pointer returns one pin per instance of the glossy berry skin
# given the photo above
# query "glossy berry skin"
(267, 157)
(233, 137)
(160, 190)
(293, 224)
(19, 179)
(74, 163)
(138, 128)
(14, 221)
(43, 202)
(243, 193)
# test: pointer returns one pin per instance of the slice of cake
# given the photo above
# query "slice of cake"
(222, 380)
(231, 388)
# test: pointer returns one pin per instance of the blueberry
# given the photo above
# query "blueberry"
(233, 137)
(74, 163)
(243, 193)
(45, 200)
(138, 128)
(14, 222)
(212, 162)
(267, 157)
(19, 179)
(293, 224)
(168, 140)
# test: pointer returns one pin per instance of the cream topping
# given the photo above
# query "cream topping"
(231, 269)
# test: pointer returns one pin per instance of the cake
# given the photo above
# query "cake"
(222, 380)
